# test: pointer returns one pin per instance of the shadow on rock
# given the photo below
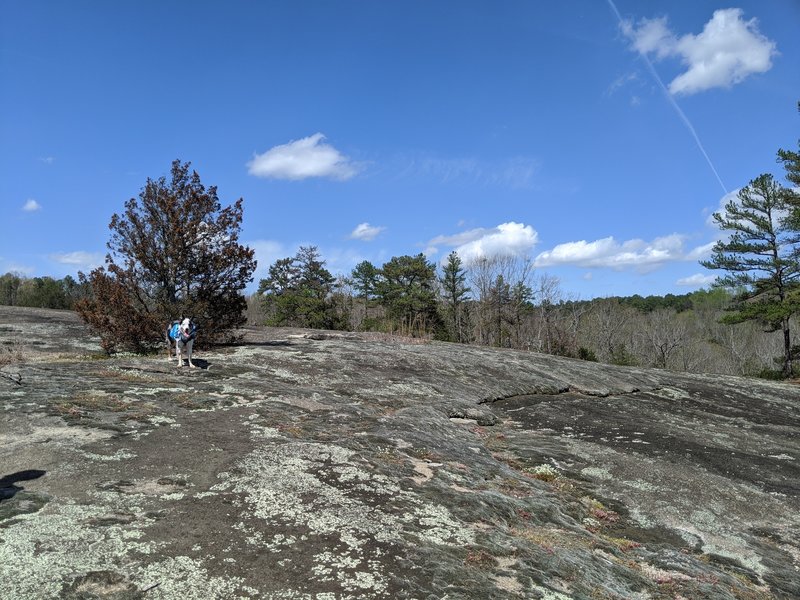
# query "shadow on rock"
(8, 487)
(15, 500)
(198, 362)
(245, 344)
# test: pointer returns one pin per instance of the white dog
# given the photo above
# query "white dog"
(183, 334)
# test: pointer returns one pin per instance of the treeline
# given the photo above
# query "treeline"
(502, 302)
(41, 292)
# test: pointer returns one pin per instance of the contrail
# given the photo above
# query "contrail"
(674, 104)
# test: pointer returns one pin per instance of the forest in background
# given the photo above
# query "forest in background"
(41, 292)
(503, 302)
(679, 332)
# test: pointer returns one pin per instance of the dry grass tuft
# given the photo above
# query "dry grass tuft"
(11, 354)
(480, 558)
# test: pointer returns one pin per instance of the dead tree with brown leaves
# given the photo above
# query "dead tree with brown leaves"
(173, 253)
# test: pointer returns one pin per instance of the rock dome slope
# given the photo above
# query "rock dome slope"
(330, 466)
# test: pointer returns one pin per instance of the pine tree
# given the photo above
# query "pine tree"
(365, 279)
(455, 293)
(760, 258)
(407, 291)
(298, 292)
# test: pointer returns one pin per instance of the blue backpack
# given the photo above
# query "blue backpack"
(175, 332)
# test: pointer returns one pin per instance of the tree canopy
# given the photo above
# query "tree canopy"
(455, 293)
(174, 252)
(407, 290)
(298, 291)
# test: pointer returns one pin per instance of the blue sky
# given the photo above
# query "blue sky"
(594, 136)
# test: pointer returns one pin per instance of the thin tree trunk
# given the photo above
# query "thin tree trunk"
(787, 350)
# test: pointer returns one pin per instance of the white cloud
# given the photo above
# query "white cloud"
(728, 50)
(80, 259)
(507, 239)
(609, 253)
(701, 252)
(459, 239)
(620, 82)
(48, 160)
(651, 36)
(732, 196)
(31, 205)
(302, 159)
(697, 280)
(365, 232)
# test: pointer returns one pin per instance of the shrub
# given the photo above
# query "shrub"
(174, 253)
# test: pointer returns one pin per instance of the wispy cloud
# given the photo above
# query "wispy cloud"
(697, 280)
(80, 259)
(728, 50)
(302, 159)
(507, 239)
(459, 239)
(515, 173)
(365, 232)
(700, 252)
(341, 261)
(607, 252)
(31, 205)
(48, 160)
(620, 82)
(8, 267)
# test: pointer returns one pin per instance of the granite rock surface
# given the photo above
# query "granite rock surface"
(319, 465)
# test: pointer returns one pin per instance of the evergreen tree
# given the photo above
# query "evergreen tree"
(365, 277)
(455, 293)
(298, 292)
(500, 298)
(760, 259)
(521, 305)
(315, 280)
(407, 291)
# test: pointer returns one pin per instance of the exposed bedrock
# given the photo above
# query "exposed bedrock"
(331, 466)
